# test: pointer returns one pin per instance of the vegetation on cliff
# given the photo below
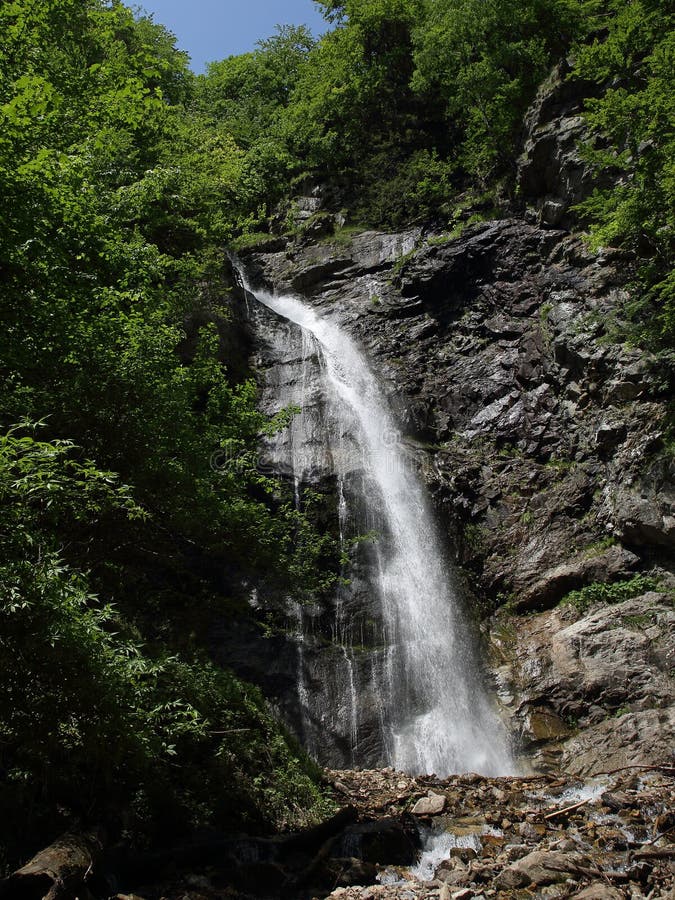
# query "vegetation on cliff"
(123, 176)
(634, 117)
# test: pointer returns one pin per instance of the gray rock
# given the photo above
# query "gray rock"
(609, 434)
(646, 517)
(432, 805)
(464, 894)
(597, 687)
(575, 573)
(552, 176)
(599, 890)
(641, 738)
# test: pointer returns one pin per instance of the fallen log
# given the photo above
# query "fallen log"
(55, 873)
(665, 853)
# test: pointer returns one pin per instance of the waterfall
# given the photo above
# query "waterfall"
(434, 712)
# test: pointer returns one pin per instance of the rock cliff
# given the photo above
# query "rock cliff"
(540, 436)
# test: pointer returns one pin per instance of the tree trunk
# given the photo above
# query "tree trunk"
(55, 873)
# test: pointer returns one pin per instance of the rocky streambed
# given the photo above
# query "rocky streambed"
(467, 837)
(609, 836)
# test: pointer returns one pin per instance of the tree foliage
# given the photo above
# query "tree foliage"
(116, 525)
(395, 84)
(484, 62)
(635, 117)
(94, 724)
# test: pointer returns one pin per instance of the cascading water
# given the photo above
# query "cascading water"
(434, 714)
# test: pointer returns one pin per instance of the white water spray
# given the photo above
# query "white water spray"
(435, 713)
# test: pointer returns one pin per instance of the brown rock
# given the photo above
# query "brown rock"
(454, 879)
(550, 866)
(511, 878)
(465, 854)
(599, 891)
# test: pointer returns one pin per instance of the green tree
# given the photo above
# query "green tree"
(634, 118)
(247, 92)
(355, 85)
(483, 60)
(118, 196)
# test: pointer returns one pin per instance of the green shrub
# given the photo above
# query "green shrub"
(252, 240)
(610, 593)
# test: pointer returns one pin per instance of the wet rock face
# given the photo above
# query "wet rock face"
(536, 432)
(320, 663)
(541, 440)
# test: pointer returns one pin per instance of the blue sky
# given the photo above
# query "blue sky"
(213, 29)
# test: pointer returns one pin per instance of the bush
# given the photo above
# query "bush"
(598, 592)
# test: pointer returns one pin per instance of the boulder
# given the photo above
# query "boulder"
(645, 518)
(385, 841)
(345, 872)
(431, 805)
(511, 879)
(543, 867)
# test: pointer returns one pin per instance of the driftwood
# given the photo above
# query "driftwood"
(55, 873)
(566, 809)
(665, 853)
(659, 836)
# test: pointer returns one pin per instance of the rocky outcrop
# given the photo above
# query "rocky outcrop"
(552, 174)
(595, 690)
(542, 437)
(592, 567)
(537, 432)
